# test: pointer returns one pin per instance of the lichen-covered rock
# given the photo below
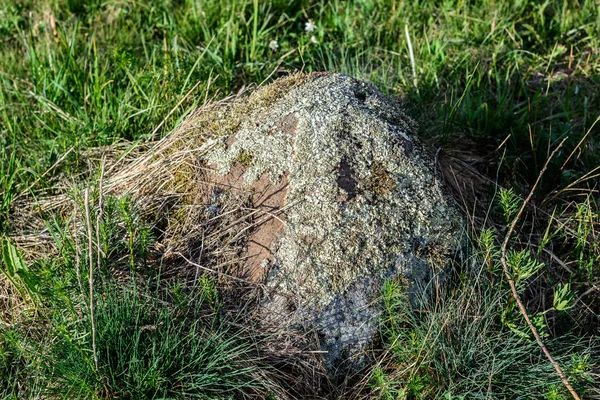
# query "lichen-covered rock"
(344, 198)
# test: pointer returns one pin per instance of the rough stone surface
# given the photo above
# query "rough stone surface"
(344, 198)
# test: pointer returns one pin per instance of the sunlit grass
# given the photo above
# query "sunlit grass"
(495, 85)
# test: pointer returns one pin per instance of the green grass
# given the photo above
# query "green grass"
(154, 338)
(147, 350)
(468, 341)
(112, 71)
(454, 348)
(495, 84)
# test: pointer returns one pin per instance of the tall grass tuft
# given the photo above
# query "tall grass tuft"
(154, 338)
(149, 349)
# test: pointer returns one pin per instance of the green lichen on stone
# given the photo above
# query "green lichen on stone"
(362, 202)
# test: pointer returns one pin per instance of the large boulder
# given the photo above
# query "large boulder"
(342, 197)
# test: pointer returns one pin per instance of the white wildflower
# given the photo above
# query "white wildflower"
(314, 39)
(273, 45)
(309, 26)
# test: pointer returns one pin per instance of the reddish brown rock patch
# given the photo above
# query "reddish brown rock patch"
(266, 215)
(269, 199)
(230, 141)
(288, 124)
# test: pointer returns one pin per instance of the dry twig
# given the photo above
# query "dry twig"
(78, 254)
(100, 212)
(513, 287)
(91, 272)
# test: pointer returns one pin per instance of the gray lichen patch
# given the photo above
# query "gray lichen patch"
(361, 204)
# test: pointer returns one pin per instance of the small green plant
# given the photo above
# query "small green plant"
(555, 392)
(563, 297)
(587, 247)
(509, 203)
(245, 159)
(522, 266)
(17, 271)
(384, 387)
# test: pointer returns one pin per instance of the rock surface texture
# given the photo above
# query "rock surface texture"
(344, 197)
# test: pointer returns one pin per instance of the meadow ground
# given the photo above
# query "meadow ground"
(496, 87)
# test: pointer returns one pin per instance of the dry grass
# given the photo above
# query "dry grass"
(165, 177)
(167, 180)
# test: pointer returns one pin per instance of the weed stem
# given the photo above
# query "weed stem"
(513, 287)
